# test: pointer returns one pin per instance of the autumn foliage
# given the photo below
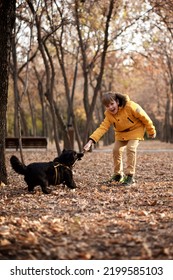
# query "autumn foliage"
(96, 221)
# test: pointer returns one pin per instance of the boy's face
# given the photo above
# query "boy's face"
(112, 107)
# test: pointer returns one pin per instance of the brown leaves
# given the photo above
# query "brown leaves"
(96, 221)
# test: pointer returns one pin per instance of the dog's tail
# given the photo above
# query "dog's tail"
(18, 166)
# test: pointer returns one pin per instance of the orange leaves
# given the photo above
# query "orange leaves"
(96, 221)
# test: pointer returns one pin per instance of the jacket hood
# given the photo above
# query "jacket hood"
(127, 97)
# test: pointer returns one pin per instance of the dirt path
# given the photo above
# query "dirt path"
(95, 221)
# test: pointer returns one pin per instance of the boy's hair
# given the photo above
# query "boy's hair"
(114, 96)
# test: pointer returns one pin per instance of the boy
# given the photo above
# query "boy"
(130, 122)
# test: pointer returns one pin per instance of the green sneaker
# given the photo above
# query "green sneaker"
(116, 178)
(128, 180)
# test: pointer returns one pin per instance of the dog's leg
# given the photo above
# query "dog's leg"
(44, 186)
(30, 188)
(70, 183)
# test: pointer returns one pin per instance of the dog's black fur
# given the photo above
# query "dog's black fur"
(44, 174)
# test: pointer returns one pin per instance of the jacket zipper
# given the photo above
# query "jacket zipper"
(130, 120)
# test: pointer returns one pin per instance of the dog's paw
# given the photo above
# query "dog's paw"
(2, 184)
(31, 191)
(73, 187)
(46, 191)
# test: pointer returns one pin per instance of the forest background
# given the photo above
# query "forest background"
(66, 54)
(57, 58)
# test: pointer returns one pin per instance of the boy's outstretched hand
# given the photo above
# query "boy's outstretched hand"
(88, 145)
(152, 136)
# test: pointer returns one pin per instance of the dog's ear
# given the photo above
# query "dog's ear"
(63, 151)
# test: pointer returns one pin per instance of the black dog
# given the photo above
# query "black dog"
(44, 174)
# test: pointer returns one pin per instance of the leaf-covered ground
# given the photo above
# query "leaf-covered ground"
(95, 221)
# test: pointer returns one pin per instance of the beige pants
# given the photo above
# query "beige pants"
(131, 147)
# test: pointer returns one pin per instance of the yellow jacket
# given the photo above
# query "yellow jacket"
(130, 123)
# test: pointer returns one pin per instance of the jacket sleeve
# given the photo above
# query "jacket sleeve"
(140, 114)
(101, 130)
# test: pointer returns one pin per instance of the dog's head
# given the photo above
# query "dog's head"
(68, 157)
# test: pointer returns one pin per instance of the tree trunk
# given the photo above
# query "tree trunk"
(167, 126)
(100, 75)
(15, 82)
(7, 18)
